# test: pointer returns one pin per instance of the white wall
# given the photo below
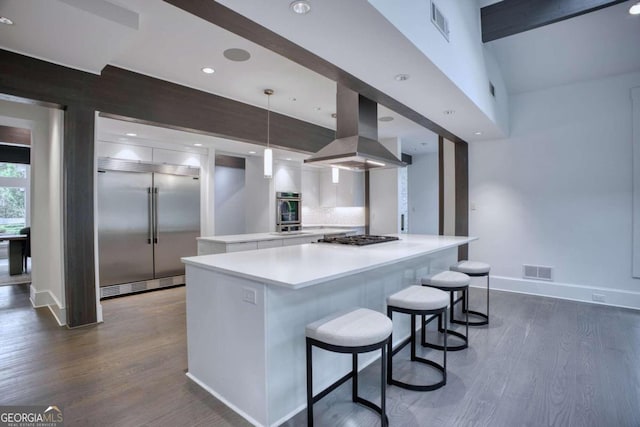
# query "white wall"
(47, 287)
(423, 194)
(384, 190)
(558, 193)
(463, 59)
(230, 201)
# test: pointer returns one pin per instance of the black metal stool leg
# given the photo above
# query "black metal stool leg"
(384, 421)
(354, 380)
(309, 385)
(465, 308)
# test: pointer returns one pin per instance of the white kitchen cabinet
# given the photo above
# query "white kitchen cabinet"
(311, 188)
(300, 240)
(247, 242)
(115, 150)
(287, 176)
(266, 244)
(173, 157)
(349, 192)
(242, 246)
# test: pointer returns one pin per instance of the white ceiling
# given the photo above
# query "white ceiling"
(173, 45)
(596, 45)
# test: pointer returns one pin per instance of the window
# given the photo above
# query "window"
(14, 200)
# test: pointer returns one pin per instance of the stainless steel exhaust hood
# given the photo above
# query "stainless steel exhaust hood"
(356, 146)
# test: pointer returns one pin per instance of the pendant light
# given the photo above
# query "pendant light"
(268, 153)
(335, 175)
(635, 9)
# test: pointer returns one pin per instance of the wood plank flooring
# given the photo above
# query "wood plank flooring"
(541, 362)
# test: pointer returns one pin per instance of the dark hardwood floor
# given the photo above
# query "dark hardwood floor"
(541, 362)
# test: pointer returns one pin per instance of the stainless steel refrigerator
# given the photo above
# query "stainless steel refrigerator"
(148, 218)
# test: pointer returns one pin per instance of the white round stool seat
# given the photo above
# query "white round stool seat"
(419, 298)
(447, 279)
(352, 328)
(471, 267)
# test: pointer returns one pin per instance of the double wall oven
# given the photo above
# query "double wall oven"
(288, 212)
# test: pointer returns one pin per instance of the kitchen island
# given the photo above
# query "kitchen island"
(247, 312)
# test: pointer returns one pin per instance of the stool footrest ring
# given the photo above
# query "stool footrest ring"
(473, 322)
(449, 347)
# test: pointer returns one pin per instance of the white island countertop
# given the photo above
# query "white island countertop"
(257, 237)
(300, 266)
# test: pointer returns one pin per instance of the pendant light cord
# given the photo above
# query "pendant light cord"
(268, 118)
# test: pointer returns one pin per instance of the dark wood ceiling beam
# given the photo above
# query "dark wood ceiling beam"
(232, 21)
(510, 17)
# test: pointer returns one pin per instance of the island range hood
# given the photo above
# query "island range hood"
(356, 146)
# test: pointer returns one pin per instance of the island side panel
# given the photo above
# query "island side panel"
(226, 340)
(289, 311)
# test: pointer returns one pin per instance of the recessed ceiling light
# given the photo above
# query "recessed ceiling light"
(301, 7)
(635, 9)
(478, 133)
(385, 119)
(288, 158)
(197, 144)
(208, 70)
(402, 77)
(7, 21)
(252, 152)
(236, 55)
(131, 134)
(449, 112)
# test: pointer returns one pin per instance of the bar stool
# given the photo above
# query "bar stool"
(353, 331)
(452, 282)
(417, 301)
(473, 269)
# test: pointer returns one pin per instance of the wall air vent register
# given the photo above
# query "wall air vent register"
(537, 272)
(439, 21)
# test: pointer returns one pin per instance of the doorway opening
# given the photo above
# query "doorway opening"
(15, 230)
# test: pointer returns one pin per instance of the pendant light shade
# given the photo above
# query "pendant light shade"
(335, 175)
(268, 152)
(635, 9)
(268, 162)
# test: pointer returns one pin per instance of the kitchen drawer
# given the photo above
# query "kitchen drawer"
(264, 244)
(244, 246)
(300, 240)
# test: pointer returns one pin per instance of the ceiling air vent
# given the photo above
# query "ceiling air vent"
(439, 21)
(537, 272)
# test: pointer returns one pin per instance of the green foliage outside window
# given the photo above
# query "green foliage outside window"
(13, 170)
(12, 199)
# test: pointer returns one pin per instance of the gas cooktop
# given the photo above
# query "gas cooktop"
(358, 240)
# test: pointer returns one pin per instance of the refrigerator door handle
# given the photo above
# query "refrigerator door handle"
(156, 193)
(150, 212)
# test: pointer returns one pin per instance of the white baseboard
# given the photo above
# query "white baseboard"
(47, 299)
(612, 297)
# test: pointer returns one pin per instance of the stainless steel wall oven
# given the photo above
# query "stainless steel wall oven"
(288, 216)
